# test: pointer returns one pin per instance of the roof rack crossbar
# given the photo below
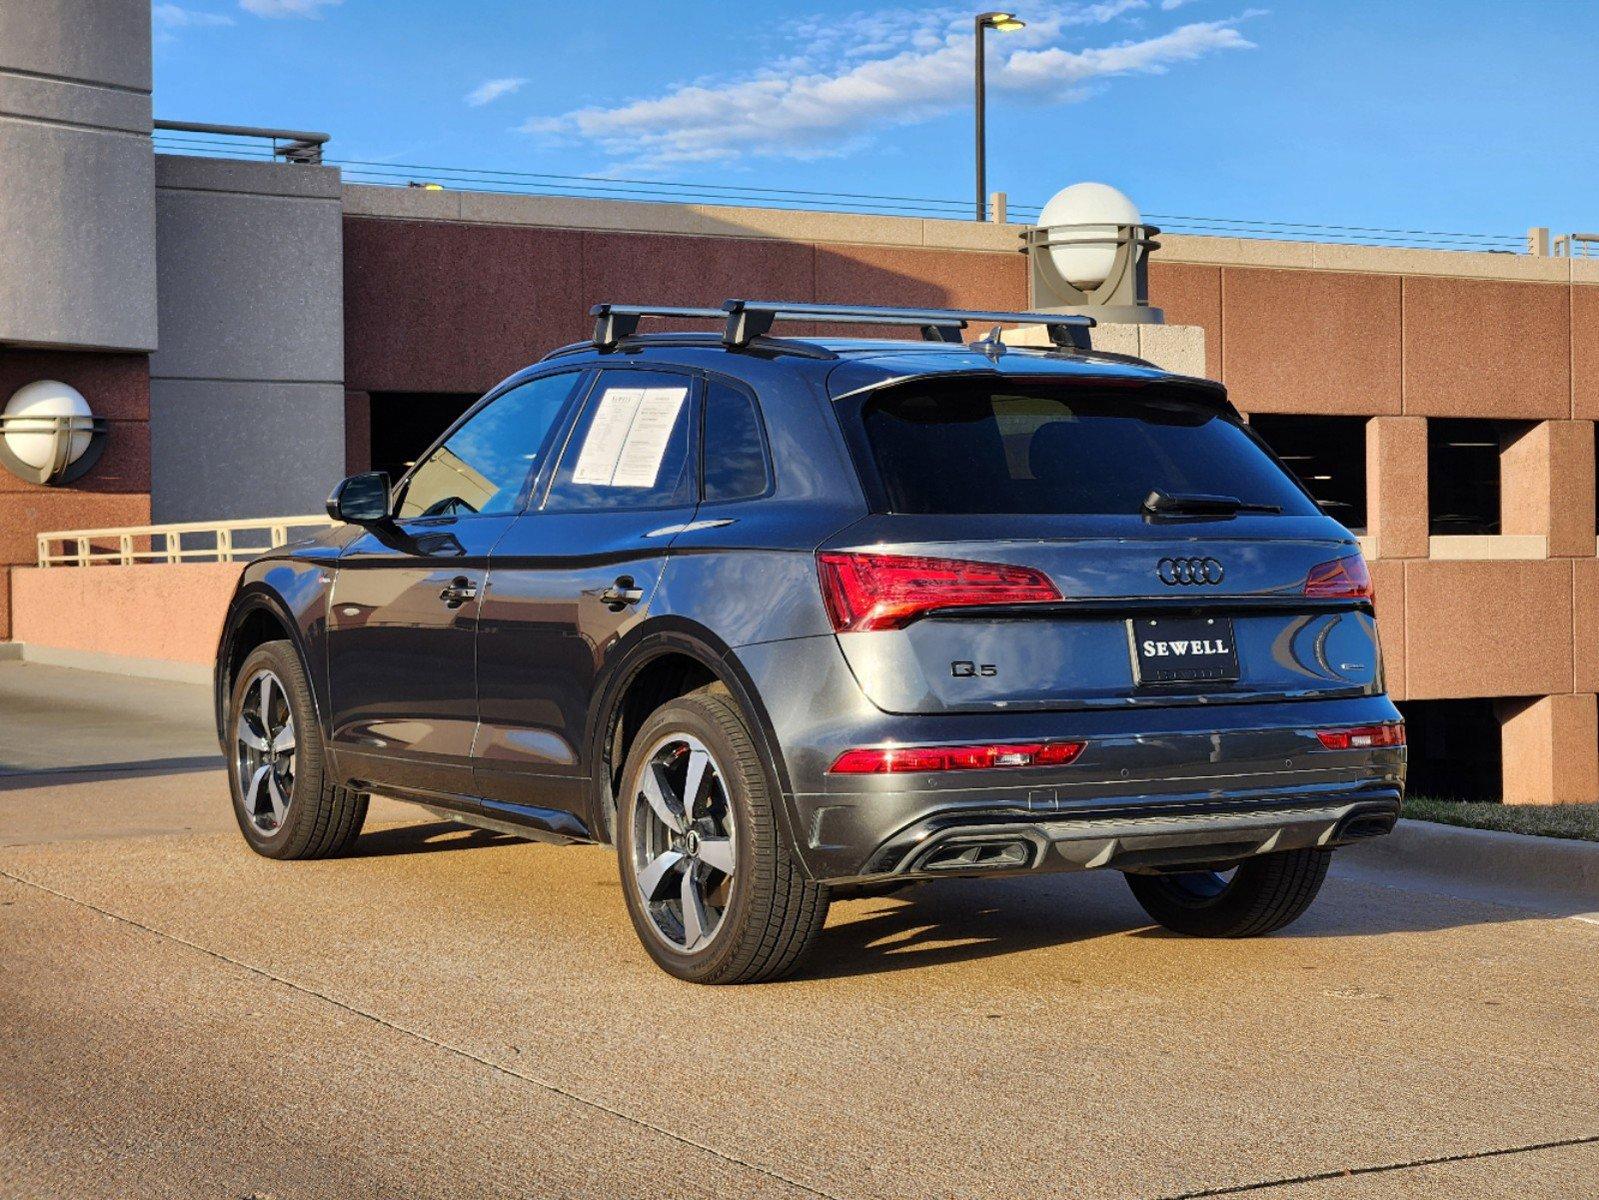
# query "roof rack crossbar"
(615, 322)
(746, 320)
(749, 319)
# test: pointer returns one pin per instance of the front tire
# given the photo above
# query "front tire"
(712, 889)
(1262, 895)
(284, 803)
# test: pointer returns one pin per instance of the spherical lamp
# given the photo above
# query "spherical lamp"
(1089, 253)
(48, 433)
(1095, 212)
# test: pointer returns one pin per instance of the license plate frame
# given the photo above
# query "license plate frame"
(1171, 662)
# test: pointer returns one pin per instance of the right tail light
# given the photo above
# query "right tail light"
(1363, 737)
(1340, 579)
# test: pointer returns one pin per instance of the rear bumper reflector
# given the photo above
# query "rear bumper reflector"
(894, 760)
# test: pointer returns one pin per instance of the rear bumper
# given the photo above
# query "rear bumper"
(1130, 837)
(1153, 786)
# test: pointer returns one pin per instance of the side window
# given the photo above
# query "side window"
(630, 446)
(484, 465)
(733, 456)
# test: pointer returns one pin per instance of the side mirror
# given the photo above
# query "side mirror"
(361, 499)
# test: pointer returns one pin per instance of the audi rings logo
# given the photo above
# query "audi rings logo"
(1173, 571)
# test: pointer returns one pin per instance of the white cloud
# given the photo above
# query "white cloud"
(826, 97)
(287, 8)
(1169, 5)
(172, 16)
(491, 90)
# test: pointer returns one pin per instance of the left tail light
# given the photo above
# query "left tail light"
(889, 591)
(1340, 579)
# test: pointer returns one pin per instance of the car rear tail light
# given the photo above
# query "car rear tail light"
(1340, 579)
(896, 760)
(889, 591)
(1363, 737)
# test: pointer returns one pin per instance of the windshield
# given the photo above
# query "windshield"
(967, 446)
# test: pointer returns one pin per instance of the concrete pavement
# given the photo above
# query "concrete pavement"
(453, 1013)
(66, 721)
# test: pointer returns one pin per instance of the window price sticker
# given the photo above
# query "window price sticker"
(627, 440)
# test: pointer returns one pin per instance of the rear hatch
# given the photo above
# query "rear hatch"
(1012, 561)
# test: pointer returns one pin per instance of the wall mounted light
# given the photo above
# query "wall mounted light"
(49, 435)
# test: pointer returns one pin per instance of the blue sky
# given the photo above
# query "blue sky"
(1465, 116)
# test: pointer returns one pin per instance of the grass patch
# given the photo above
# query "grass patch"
(1577, 821)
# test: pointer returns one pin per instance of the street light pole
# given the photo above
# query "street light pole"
(1004, 22)
(982, 138)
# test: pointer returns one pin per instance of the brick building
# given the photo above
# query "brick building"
(252, 330)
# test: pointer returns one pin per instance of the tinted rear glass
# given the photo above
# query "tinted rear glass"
(968, 447)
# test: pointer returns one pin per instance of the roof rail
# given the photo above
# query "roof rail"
(746, 320)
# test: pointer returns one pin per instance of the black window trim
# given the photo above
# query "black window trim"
(737, 385)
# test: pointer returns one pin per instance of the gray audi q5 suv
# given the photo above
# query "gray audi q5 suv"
(784, 618)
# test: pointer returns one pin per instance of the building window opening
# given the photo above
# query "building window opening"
(1327, 455)
(1463, 484)
(405, 424)
(1453, 749)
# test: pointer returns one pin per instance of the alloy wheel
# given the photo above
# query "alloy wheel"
(684, 853)
(264, 752)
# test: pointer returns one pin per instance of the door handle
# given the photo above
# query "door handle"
(621, 594)
(458, 591)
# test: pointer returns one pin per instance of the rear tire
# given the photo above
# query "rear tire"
(713, 891)
(285, 804)
(1264, 894)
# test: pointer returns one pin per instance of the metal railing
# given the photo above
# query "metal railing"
(186, 542)
(1577, 245)
(291, 145)
(183, 137)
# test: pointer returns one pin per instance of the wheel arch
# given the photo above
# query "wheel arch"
(676, 642)
(258, 615)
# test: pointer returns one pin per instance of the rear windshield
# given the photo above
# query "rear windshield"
(961, 446)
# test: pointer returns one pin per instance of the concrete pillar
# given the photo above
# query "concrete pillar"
(1547, 486)
(1551, 750)
(77, 196)
(249, 378)
(1396, 486)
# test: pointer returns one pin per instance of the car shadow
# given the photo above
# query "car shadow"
(960, 920)
(430, 838)
(957, 920)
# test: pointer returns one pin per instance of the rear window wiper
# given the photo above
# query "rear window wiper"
(1196, 504)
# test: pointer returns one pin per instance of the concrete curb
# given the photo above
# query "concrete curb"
(1556, 875)
(108, 664)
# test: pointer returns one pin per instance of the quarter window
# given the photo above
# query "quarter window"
(484, 465)
(630, 448)
(734, 460)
